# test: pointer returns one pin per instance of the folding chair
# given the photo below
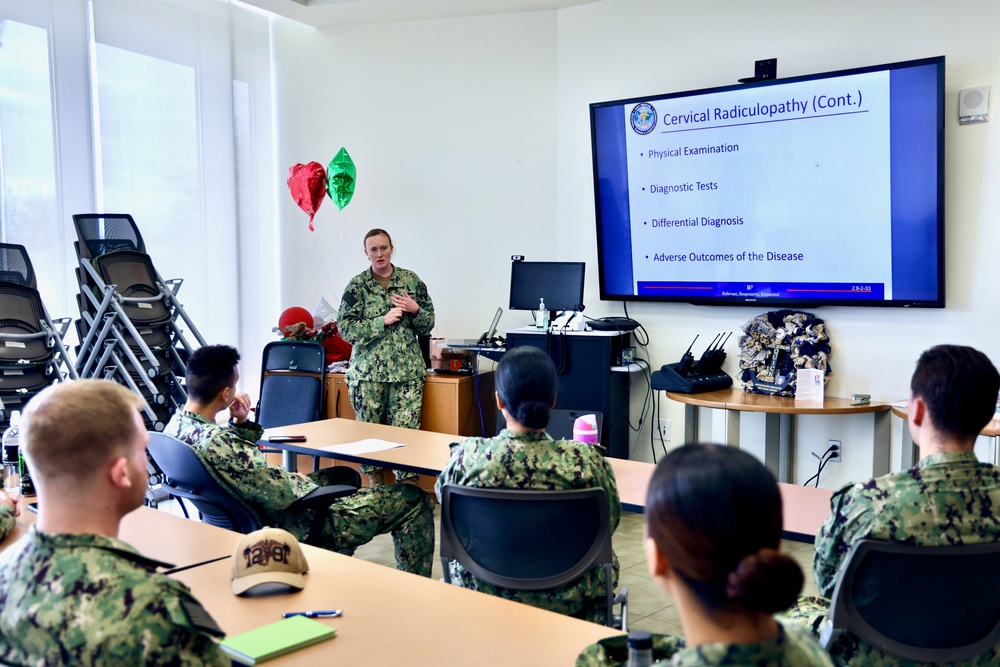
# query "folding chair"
(930, 604)
(530, 540)
(186, 476)
(292, 380)
(32, 353)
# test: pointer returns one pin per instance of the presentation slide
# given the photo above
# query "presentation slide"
(738, 190)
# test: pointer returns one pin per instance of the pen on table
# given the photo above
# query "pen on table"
(331, 613)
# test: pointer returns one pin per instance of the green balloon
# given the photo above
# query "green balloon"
(340, 175)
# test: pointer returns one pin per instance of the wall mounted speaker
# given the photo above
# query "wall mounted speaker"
(974, 105)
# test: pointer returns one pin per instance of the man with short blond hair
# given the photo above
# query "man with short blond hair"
(71, 592)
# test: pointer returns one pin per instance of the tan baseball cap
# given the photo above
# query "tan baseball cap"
(268, 556)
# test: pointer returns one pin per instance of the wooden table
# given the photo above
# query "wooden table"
(181, 542)
(779, 424)
(421, 620)
(427, 453)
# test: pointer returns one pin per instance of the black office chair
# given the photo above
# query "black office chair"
(292, 381)
(530, 540)
(930, 604)
(186, 476)
(561, 422)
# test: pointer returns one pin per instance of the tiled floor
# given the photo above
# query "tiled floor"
(649, 607)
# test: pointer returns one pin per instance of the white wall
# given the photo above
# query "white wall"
(472, 141)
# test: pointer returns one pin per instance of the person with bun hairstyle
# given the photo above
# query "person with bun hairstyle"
(713, 537)
(524, 456)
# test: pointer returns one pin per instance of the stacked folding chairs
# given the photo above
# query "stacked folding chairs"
(130, 324)
(32, 353)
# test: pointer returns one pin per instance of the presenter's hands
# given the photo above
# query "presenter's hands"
(239, 409)
(394, 315)
(406, 303)
(9, 502)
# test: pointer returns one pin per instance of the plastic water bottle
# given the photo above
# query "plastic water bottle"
(11, 442)
(542, 316)
(640, 649)
(585, 429)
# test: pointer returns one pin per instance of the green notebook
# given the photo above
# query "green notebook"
(276, 639)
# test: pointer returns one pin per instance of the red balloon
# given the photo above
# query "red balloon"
(295, 315)
(307, 183)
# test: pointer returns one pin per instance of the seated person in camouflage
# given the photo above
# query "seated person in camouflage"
(71, 592)
(232, 456)
(9, 511)
(948, 498)
(713, 533)
(523, 456)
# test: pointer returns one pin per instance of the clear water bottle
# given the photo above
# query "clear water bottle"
(11, 442)
(640, 649)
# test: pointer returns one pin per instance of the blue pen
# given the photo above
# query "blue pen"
(332, 613)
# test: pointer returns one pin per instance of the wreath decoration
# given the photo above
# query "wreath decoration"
(777, 343)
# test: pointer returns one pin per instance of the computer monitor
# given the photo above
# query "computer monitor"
(559, 284)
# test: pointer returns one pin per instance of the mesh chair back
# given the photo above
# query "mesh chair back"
(186, 476)
(21, 313)
(528, 540)
(930, 604)
(15, 267)
(133, 275)
(561, 422)
(101, 233)
(291, 383)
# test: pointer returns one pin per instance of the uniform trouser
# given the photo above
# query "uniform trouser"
(392, 403)
(402, 509)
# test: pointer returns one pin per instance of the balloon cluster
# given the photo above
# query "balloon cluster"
(309, 182)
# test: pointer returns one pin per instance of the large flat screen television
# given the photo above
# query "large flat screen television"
(825, 189)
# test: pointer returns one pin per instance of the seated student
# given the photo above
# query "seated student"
(232, 455)
(523, 456)
(9, 511)
(713, 527)
(71, 592)
(948, 498)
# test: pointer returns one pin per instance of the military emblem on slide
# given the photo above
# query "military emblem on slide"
(643, 118)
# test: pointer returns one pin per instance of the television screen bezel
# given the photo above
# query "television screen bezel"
(939, 302)
(583, 280)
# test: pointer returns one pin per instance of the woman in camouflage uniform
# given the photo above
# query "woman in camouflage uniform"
(523, 456)
(713, 526)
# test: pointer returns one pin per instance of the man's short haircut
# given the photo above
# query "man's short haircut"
(73, 428)
(210, 370)
(959, 385)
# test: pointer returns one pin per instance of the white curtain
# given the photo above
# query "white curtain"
(158, 108)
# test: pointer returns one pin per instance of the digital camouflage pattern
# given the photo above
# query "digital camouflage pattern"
(948, 498)
(385, 380)
(791, 648)
(93, 600)
(392, 403)
(536, 461)
(233, 458)
(7, 521)
(381, 353)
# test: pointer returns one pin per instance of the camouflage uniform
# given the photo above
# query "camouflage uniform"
(386, 378)
(536, 461)
(791, 648)
(93, 600)
(7, 521)
(949, 498)
(238, 464)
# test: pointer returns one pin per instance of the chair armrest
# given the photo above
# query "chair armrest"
(323, 496)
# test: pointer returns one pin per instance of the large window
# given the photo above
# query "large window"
(158, 108)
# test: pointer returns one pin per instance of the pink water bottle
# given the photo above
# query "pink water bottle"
(585, 429)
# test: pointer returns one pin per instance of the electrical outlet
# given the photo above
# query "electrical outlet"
(835, 443)
(664, 429)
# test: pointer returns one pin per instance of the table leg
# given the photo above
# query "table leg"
(779, 440)
(690, 423)
(290, 461)
(910, 455)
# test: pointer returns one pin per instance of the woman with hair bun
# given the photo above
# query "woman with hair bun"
(524, 456)
(713, 533)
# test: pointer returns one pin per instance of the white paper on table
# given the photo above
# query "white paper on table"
(363, 446)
